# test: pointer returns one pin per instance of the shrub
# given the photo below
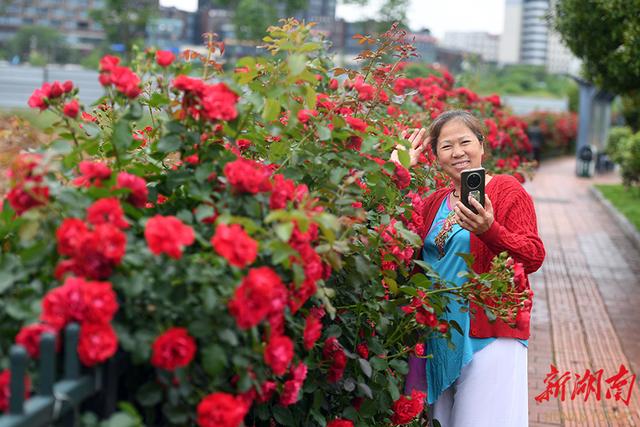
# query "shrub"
(252, 251)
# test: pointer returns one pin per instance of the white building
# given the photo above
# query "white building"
(529, 39)
(480, 43)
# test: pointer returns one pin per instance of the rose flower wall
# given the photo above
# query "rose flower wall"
(252, 252)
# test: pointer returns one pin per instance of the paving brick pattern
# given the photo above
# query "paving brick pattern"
(587, 296)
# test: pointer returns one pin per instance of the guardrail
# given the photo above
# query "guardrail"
(59, 402)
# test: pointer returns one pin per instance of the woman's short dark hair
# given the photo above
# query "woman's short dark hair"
(469, 120)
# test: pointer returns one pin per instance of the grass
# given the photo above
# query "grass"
(40, 120)
(625, 199)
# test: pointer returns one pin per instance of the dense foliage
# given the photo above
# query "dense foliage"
(253, 251)
(559, 131)
(623, 146)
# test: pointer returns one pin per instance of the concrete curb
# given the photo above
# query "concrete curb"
(628, 229)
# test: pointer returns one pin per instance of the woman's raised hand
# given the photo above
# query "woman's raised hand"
(419, 142)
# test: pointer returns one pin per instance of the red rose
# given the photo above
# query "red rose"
(305, 115)
(169, 235)
(99, 251)
(313, 328)
(405, 409)
(39, 97)
(126, 81)
(260, 294)
(109, 62)
(332, 351)
(29, 338)
(363, 350)
(248, 176)
(99, 301)
(98, 342)
(67, 86)
(221, 410)
(71, 109)
(333, 84)
(55, 308)
(92, 173)
(173, 349)
(340, 422)
(107, 211)
(356, 124)
(278, 354)
(219, 102)
(419, 349)
(187, 83)
(235, 245)
(401, 177)
(56, 90)
(164, 58)
(69, 235)
(137, 186)
(291, 389)
(26, 196)
(5, 390)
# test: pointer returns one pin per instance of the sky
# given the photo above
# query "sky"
(439, 16)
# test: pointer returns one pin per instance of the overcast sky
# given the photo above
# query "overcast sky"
(437, 15)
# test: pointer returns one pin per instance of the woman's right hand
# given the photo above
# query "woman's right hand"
(418, 144)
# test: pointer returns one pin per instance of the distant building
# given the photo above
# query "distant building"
(480, 43)
(527, 37)
(171, 29)
(70, 17)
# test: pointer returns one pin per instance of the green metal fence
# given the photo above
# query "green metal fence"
(58, 402)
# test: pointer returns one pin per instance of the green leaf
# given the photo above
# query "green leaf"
(158, 100)
(149, 394)
(122, 138)
(91, 129)
(271, 109)
(284, 231)
(365, 366)
(404, 158)
(455, 325)
(324, 133)
(392, 387)
(278, 149)
(310, 97)
(379, 364)
(297, 64)
(134, 112)
(366, 390)
(169, 143)
(203, 211)
(400, 365)
(214, 359)
(283, 416)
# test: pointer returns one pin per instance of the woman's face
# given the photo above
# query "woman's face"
(458, 148)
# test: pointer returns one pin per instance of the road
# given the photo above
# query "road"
(17, 83)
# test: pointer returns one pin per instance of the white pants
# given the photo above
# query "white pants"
(491, 390)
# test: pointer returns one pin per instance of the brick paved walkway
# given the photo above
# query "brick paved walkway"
(587, 295)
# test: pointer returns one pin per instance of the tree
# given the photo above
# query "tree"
(38, 41)
(605, 34)
(124, 21)
(390, 11)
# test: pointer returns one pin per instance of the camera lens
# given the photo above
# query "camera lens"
(474, 180)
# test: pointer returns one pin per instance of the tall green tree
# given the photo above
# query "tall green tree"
(605, 34)
(124, 21)
(38, 41)
(390, 11)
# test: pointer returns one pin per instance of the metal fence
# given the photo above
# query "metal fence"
(58, 402)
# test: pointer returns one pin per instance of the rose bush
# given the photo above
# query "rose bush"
(559, 130)
(242, 237)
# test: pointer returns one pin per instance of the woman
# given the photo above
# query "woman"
(483, 380)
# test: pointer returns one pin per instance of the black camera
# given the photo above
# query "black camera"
(472, 185)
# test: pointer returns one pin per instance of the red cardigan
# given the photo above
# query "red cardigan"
(514, 230)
